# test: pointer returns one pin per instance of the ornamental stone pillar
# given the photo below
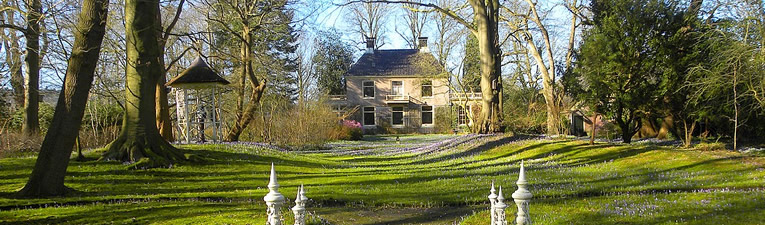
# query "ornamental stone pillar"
(499, 209)
(274, 200)
(522, 196)
(493, 201)
(299, 209)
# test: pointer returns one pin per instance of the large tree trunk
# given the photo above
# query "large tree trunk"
(31, 124)
(139, 140)
(50, 168)
(486, 17)
(244, 115)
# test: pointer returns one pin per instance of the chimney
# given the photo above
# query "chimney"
(370, 45)
(422, 43)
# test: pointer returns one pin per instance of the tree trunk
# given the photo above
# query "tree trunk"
(13, 58)
(667, 124)
(592, 127)
(139, 139)
(548, 72)
(31, 124)
(17, 77)
(486, 15)
(245, 115)
(164, 124)
(50, 168)
(688, 134)
(626, 134)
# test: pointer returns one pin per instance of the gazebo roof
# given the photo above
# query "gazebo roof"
(199, 74)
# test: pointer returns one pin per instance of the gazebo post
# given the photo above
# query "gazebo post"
(186, 118)
(213, 115)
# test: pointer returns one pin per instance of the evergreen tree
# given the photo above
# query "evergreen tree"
(332, 59)
(471, 65)
(621, 60)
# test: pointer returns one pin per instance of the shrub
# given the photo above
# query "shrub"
(45, 116)
(304, 125)
(14, 143)
(445, 120)
(347, 130)
(710, 146)
(525, 111)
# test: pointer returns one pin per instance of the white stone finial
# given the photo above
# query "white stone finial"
(493, 195)
(499, 209)
(272, 180)
(299, 209)
(299, 200)
(274, 200)
(302, 195)
(522, 175)
(500, 196)
(493, 201)
(522, 196)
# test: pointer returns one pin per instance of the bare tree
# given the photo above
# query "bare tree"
(242, 21)
(528, 21)
(13, 53)
(163, 109)
(415, 19)
(33, 18)
(448, 33)
(368, 20)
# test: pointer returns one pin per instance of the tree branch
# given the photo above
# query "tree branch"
(439, 9)
(14, 27)
(175, 20)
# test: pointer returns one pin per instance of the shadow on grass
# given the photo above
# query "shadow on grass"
(127, 211)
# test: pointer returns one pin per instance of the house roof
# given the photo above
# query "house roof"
(396, 62)
(198, 73)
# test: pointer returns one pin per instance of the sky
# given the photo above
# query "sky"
(333, 16)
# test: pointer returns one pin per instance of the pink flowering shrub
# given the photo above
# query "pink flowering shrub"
(351, 124)
(347, 130)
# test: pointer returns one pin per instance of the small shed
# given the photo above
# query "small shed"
(198, 102)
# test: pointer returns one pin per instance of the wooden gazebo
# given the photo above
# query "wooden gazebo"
(198, 102)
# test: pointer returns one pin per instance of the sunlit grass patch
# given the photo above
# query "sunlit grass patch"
(571, 180)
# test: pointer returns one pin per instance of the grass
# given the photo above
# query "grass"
(426, 179)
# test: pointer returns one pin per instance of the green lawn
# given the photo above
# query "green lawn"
(427, 179)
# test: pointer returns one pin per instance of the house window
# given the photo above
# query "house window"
(369, 116)
(427, 88)
(398, 116)
(462, 118)
(427, 115)
(398, 88)
(369, 89)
